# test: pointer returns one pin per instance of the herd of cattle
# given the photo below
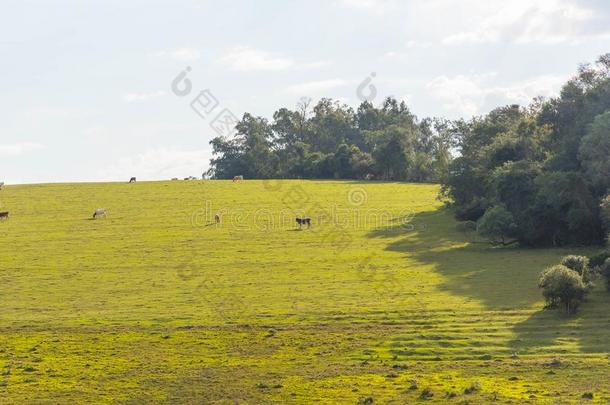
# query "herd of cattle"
(101, 212)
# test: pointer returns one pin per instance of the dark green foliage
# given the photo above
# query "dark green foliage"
(498, 225)
(605, 212)
(605, 271)
(332, 141)
(598, 259)
(594, 152)
(547, 165)
(565, 210)
(579, 264)
(562, 287)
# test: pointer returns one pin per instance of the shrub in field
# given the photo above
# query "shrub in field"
(562, 287)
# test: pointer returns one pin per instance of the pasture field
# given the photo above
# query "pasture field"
(378, 301)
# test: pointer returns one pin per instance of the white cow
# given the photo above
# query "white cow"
(100, 212)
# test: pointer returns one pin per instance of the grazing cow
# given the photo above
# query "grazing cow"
(1, 185)
(238, 178)
(4, 215)
(217, 218)
(304, 221)
(132, 180)
(100, 212)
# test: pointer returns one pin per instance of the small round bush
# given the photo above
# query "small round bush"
(562, 287)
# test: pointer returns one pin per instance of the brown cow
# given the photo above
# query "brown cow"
(4, 215)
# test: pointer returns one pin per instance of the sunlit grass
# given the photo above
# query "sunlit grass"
(156, 303)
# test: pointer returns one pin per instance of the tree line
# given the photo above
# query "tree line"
(534, 174)
(332, 141)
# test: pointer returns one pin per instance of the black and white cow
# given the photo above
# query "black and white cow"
(304, 221)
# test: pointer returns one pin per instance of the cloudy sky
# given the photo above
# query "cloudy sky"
(86, 88)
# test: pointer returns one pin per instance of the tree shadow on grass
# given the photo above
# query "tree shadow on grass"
(552, 331)
(498, 277)
(502, 279)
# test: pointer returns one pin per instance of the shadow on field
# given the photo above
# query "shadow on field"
(496, 277)
(586, 331)
(502, 279)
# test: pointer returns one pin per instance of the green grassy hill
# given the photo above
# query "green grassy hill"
(381, 298)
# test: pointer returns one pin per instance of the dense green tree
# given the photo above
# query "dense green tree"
(548, 164)
(390, 148)
(513, 184)
(594, 153)
(248, 153)
(465, 188)
(498, 225)
(333, 124)
(564, 210)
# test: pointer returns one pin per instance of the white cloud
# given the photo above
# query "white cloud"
(376, 6)
(523, 22)
(141, 97)
(316, 64)
(18, 149)
(159, 164)
(248, 59)
(181, 54)
(468, 95)
(316, 87)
